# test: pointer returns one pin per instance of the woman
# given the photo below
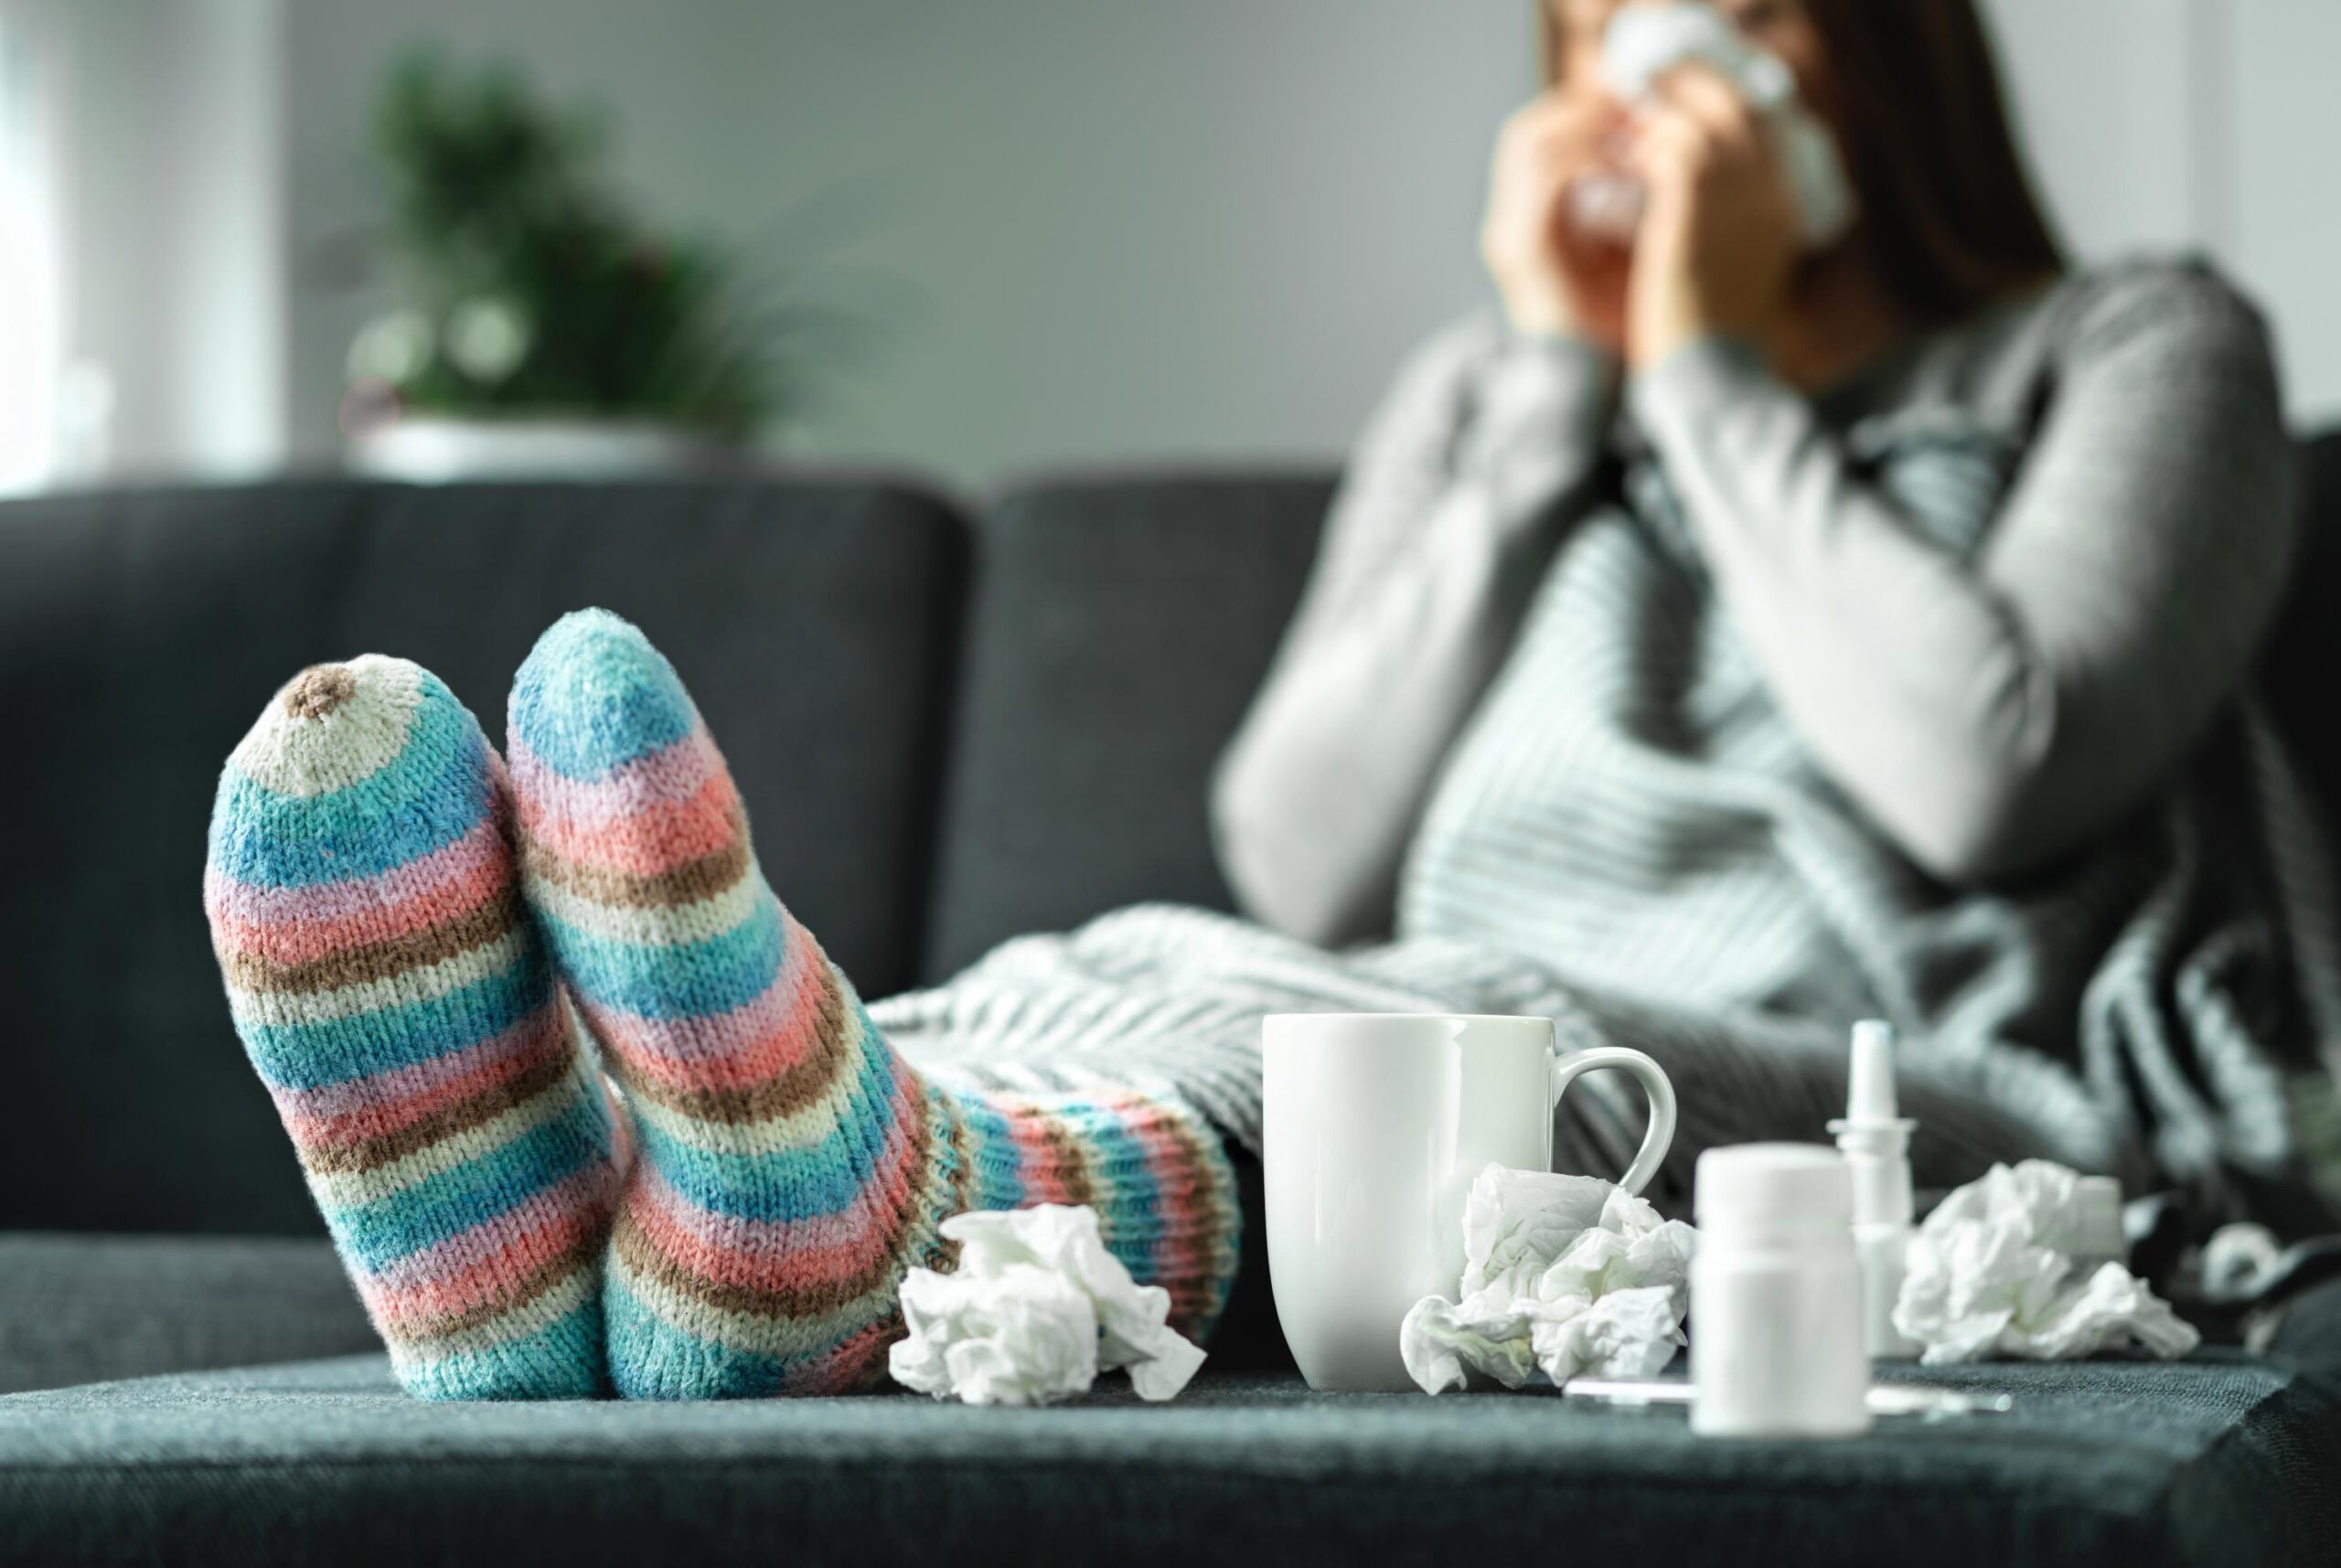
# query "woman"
(1814, 634)
(1716, 646)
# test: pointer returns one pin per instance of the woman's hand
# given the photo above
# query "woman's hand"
(1551, 280)
(1718, 232)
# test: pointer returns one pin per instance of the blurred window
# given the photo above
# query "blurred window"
(29, 332)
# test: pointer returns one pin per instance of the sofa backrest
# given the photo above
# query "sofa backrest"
(2301, 671)
(915, 806)
(141, 632)
(1119, 626)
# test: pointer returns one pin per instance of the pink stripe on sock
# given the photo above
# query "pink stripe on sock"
(291, 943)
(341, 1114)
(332, 915)
(584, 1190)
(855, 1361)
(526, 1240)
(669, 777)
(1171, 1165)
(739, 1050)
(1036, 1154)
(659, 838)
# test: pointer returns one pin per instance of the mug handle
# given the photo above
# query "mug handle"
(1655, 1087)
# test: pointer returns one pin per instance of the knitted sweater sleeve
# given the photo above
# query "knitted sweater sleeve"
(1990, 714)
(1454, 500)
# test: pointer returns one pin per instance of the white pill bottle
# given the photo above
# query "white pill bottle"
(1775, 1296)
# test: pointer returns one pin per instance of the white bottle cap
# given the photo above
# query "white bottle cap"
(1772, 1187)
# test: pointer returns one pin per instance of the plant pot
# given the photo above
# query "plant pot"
(436, 450)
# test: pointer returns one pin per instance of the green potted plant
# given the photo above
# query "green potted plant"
(543, 326)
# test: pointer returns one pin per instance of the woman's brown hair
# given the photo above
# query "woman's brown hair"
(1948, 209)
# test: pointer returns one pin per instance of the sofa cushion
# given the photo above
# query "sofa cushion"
(79, 1309)
(1119, 629)
(141, 632)
(2222, 1460)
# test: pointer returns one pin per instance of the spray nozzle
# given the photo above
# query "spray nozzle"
(1874, 1139)
(1870, 1086)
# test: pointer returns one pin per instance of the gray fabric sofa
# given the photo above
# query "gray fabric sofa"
(952, 723)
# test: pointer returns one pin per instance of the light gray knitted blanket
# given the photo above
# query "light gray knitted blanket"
(1628, 837)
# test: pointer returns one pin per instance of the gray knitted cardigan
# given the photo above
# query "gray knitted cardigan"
(1712, 718)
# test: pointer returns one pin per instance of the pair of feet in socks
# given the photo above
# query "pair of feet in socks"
(410, 935)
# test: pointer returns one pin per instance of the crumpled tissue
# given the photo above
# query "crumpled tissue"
(1562, 1275)
(1992, 1273)
(1035, 1310)
(1643, 42)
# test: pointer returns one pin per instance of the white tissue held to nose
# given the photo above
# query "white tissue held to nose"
(1642, 43)
(1562, 1275)
(1036, 1309)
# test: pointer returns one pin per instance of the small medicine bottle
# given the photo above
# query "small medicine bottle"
(1775, 1295)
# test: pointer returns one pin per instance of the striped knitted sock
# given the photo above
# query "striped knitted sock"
(396, 1000)
(794, 1167)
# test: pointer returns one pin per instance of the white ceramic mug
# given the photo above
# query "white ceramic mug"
(1375, 1126)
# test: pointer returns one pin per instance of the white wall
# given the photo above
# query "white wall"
(1096, 229)
(2286, 171)
(2211, 124)
(164, 196)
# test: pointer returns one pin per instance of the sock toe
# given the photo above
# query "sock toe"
(352, 770)
(595, 695)
(392, 994)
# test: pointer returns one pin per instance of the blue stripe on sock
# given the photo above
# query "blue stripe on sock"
(652, 1358)
(311, 1055)
(433, 793)
(563, 1360)
(1000, 1175)
(801, 1183)
(440, 1207)
(1130, 1203)
(676, 980)
(594, 694)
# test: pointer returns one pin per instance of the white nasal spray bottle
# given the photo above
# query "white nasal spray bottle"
(1876, 1143)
